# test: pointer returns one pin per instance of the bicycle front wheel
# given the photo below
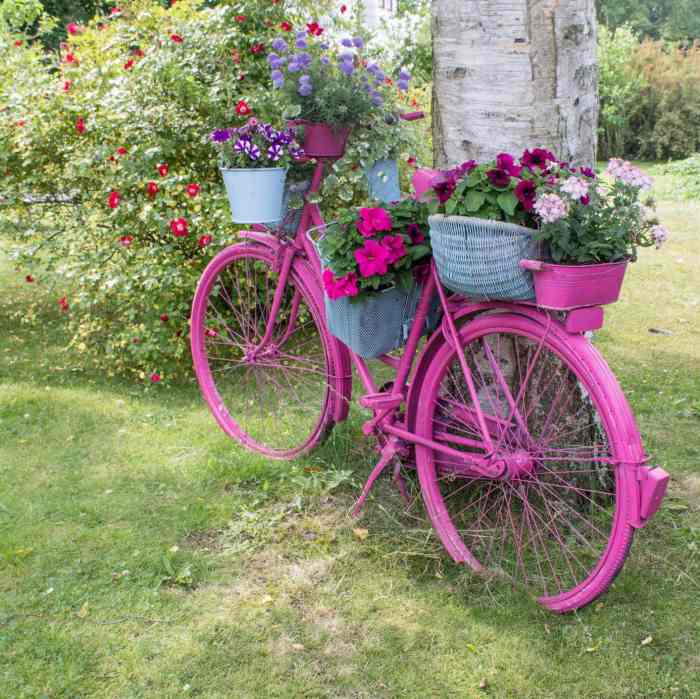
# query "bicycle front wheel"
(557, 522)
(275, 396)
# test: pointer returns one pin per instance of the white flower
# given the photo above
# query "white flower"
(551, 208)
(575, 188)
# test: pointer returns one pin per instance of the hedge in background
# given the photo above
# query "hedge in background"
(650, 97)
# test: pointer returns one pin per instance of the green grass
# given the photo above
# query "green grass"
(143, 554)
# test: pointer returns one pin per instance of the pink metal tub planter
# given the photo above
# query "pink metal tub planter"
(324, 140)
(254, 163)
(565, 287)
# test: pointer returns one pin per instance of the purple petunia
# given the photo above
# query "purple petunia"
(297, 153)
(220, 135)
(275, 152)
(253, 152)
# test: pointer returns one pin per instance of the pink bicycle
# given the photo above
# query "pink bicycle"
(527, 455)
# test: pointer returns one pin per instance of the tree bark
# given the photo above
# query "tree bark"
(514, 74)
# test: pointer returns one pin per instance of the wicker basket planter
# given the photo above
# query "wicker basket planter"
(481, 258)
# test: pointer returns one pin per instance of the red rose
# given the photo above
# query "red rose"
(63, 303)
(255, 49)
(155, 378)
(29, 279)
(129, 64)
(176, 38)
(411, 161)
(70, 58)
(121, 150)
(240, 19)
(286, 26)
(113, 199)
(115, 10)
(21, 122)
(179, 227)
(163, 169)
(80, 125)
(18, 42)
(126, 240)
(73, 28)
(192, 190)
(152, 189)
(315, 29)
(243, 109)
(241, 77)
(343, 9)
(204, 241)
(164, 318)
(66, 85)
(138, 53)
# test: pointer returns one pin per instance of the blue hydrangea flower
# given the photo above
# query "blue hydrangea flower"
(358, 42)
(293, 67)
(302, 43)
(303, 59)
(403, 85)
(347, 42)
(404, 75)
(347, 57)
(372, 68)
(347, 68)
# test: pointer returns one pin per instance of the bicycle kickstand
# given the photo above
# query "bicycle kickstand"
(389, 451)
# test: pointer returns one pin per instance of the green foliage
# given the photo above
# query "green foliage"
(123, 98)
(686, 176)
(672, 20)
(650, 98)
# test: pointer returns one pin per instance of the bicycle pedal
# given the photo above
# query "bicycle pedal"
(382, 401)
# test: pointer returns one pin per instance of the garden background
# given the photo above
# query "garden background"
(142, 554)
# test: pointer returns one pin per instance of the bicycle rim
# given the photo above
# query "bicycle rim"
(274, 398)
(557, 523)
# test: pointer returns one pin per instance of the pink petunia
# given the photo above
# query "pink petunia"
(373, 258)
(396, 247)
(374, 220)
(337, 288)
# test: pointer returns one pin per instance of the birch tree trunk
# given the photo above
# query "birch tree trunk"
(514, 74)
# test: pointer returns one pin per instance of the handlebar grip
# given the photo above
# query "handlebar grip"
(412, 116)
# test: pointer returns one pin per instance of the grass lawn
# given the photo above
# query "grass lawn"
(143, 554)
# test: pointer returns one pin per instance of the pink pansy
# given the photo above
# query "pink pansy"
(337, 288)
(373, 220)
(373, 258)
(396, 247)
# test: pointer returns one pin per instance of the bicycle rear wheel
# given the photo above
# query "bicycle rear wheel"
(275, 398)
(557, 522)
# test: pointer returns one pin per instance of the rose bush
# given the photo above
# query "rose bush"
(111, 193)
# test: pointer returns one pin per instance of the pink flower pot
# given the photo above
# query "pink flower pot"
(324, 140)
(565, 287)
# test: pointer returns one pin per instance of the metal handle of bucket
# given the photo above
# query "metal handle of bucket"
(533, 265)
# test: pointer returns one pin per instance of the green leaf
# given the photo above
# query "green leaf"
(508, 202)
(474, 200)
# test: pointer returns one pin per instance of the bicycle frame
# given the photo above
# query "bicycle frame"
(386, 405)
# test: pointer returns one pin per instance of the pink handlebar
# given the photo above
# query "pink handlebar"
(412, 116)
